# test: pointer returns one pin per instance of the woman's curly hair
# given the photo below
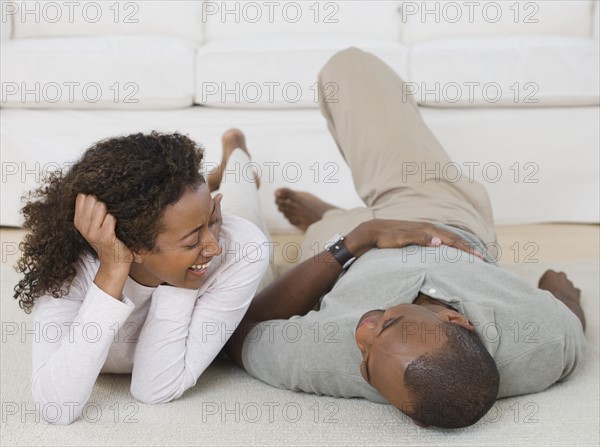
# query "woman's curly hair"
(136, 176)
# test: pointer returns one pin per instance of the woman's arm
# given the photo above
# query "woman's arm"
(183, 333)
(73, 335)
(297, 291)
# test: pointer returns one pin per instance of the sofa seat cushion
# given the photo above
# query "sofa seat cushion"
(505, 71)
(98, 72)
(537, 164)
(266, 73)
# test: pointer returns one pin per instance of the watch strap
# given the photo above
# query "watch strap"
(341, 253)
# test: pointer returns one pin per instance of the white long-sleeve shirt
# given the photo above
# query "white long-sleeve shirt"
(165, 336)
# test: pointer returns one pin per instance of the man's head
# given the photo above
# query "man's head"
(426, 361)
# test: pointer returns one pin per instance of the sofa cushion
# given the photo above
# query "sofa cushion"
(98, 72)
(242, 19)
(505, 71)
(86, 18)
(422, 21)
(263, 72)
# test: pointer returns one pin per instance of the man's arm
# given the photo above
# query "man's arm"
(298, 290)
(563, 290)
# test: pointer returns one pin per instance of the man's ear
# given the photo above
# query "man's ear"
(452, 316)
(137, 258)
(361, 347)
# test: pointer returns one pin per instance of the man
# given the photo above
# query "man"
(437, 332)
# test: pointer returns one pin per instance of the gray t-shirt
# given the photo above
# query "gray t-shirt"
(534, 339)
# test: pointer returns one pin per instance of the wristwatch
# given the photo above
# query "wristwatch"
(340, 252)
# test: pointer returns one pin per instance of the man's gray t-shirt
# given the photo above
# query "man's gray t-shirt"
(534, 339)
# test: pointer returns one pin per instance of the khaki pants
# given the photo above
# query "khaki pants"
(381, 135)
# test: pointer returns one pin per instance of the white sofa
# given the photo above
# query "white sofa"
(510, 89)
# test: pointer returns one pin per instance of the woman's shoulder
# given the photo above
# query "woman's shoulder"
(240, 230)
(86, 268)
(87, 265)
(85, 271)
(243, 243)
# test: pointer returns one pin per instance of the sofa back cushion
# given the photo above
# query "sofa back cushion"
(534, 71)
(261, 72)
(428, 20)
(100, 18)
(245, 19)
(111, 72)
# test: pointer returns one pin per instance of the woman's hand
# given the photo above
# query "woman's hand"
(383, 233)
(97, 226)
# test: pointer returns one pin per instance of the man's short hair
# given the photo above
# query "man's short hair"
(455, 385)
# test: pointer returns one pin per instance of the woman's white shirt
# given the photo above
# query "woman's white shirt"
(165, 336)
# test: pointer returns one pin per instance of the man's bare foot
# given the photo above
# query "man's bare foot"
(232, 139)
(563, 290)
(301, 209)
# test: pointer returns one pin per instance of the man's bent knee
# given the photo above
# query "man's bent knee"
(339, 59)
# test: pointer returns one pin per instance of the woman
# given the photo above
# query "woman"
(133, 269)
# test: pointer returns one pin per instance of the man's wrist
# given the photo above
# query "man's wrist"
(338, 249)
(361, 239)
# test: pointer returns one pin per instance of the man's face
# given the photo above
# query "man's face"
(391, 339)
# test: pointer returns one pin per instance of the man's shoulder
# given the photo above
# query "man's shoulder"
(314, 353)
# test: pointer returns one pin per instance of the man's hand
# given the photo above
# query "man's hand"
(563, 290)
(97, 226)
(383, 233)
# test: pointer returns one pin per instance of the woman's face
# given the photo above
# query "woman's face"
(187, 244)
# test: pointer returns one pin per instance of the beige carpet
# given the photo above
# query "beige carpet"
(228, 407)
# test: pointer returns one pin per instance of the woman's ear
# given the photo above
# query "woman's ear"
(217, 198)
(137, 258)
(452, 316)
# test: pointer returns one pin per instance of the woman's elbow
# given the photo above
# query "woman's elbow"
(148, 395)
(57, 413)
